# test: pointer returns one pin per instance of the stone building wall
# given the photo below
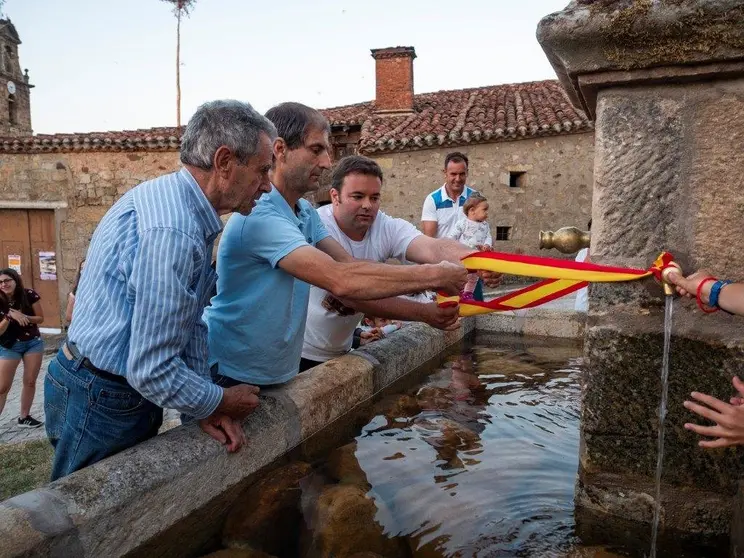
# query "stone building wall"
(556, 190)
(88, 182)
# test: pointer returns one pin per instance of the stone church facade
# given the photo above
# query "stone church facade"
(530, 153)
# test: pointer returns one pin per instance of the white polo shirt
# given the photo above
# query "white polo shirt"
(329, 330)
(439, 207)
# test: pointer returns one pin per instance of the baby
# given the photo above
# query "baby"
(473, 231)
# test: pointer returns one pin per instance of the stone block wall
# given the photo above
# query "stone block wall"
(556, 190)
(22, 98)
(10, 70)
(669, 173)
(557, 187)
(89, 182)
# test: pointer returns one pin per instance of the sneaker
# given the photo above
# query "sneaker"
(29, 422)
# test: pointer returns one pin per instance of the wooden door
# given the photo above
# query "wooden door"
(44, 263)
(16, 246)
(27, 238)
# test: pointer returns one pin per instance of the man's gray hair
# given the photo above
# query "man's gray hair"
(234, 124)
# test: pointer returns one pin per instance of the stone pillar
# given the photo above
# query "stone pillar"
(664, 82)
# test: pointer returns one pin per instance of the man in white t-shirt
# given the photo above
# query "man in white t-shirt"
(443, 207)
(354, 220)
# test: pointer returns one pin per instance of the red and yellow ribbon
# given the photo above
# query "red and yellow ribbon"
(561, 277)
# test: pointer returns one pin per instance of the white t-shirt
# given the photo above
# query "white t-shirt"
(582, 295)
(328, 333)
(439, 207)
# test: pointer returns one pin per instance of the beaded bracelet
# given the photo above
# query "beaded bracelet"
(699, 291)
(715, 292)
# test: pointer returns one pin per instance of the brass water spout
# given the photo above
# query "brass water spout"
(668, 287)
(566, 239)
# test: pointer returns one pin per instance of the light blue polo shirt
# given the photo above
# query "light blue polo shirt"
(257, 319)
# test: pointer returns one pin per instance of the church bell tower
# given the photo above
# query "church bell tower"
(15, 89)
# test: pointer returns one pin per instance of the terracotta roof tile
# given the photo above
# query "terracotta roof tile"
(443, 118)
(152, 139)
(348, 115)
(458, 117)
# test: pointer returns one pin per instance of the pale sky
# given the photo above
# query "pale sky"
(110, 64)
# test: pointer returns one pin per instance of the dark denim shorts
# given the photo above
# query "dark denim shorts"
(20, 348)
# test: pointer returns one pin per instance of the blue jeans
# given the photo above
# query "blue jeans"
(89, 418)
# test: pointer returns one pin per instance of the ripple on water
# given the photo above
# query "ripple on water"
(488, 467)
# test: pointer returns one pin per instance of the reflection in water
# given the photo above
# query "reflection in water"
(478, 460)
(485, 463)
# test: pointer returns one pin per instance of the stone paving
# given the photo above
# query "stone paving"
(10, 433)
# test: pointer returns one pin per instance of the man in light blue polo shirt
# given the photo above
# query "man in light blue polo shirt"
(267, 261)
(259, 307)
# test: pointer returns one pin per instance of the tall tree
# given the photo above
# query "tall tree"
(181, 8)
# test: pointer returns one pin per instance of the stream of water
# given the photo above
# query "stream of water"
(668, 308)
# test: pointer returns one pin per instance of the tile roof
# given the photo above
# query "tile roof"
(465, 116)
(349, 115)
(152, 139)
(443, 118)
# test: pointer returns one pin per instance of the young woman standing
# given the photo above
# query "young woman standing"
(20, 339)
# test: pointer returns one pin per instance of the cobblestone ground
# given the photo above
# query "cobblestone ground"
(10, 433)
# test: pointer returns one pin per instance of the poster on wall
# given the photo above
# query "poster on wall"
(48, 266)
(14, 262)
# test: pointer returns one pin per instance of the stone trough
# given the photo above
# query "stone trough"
(170, 495)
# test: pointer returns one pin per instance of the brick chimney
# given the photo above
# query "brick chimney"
(394, 79)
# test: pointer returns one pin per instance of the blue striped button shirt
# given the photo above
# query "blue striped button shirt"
(146, 282)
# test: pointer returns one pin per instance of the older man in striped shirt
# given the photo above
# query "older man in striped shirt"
(137, 342)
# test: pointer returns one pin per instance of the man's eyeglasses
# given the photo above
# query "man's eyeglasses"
(5, 281)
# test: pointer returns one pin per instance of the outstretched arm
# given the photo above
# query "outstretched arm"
(398, 308)
(427, 250)
(363, 280)
(424, 249)
(730, 298)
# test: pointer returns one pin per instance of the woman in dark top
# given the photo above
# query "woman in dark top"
(20, 339)
(4, 308)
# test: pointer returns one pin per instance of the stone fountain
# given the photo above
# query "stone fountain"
(664, 82)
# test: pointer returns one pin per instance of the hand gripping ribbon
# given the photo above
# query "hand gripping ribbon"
(560, 278)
